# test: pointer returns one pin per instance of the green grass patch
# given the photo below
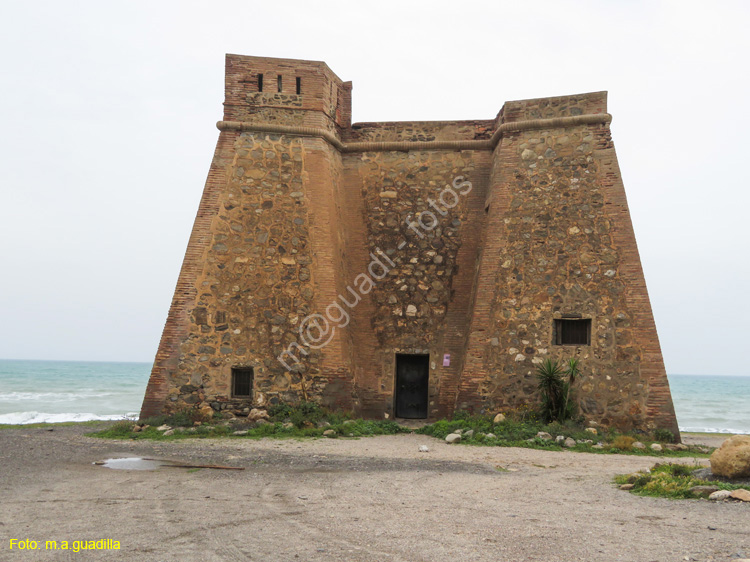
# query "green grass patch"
(669, 481)
(523, 433)
(309, 420)
(306, 420)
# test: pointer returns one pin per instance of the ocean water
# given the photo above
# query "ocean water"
(57, 391)
(714, 404)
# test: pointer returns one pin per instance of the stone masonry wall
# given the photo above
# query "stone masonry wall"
(555, 254)
(410, 304)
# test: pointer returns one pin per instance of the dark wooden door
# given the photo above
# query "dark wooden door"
(412, 381)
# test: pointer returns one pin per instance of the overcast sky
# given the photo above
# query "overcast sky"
(108, 113)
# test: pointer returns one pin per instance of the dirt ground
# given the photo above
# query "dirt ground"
(372, 499)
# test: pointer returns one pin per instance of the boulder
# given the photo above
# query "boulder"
(720, 495)
(499, 418)
(453, 438)
(559, 439)
(569, 442)
(656, 447)
(627, 486)
(490, 436)
(732, 459)
(168, 433)
(468, 434)
(424, 449)
(741, 494)
(164, 427)
(329, 433)
(544, 435)
(592, 430)
(639, 445)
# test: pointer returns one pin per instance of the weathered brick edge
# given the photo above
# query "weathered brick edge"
(659, 407)
(176, 327)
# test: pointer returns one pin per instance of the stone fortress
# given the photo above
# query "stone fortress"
(408, 269)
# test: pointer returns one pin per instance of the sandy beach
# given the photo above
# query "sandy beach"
(370, 499)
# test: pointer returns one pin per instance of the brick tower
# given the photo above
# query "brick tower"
(408, 268)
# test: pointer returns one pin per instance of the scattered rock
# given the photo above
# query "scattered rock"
(262, 422)
(597, 446)
(348, 422)
(544, 435)
(424, 449)
(732, 459)
(453, 438)
(240, 432)
(490, 436)
(163, 428)
(329, 433)
(741, 494)
(720, 495)
(559, 439)
(656, 447)
(205, 413)
(633, 476)
(569, 442)
(168, 433)
(255, 414)
(287, 425)
(592, 430)
(499, 418)
(703, 491)
(639, 445)
(627, 486)
(585, 442)
(136, 428)
(468, 434)
(592, 423)
(676, 447)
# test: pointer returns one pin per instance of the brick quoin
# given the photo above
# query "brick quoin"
(299, 202)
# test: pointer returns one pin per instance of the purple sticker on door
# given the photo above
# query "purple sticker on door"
(446, 360)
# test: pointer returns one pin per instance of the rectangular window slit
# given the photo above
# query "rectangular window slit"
(242, 382)
(299, 85)
(278, 79)
(570, 331)
(260, 82)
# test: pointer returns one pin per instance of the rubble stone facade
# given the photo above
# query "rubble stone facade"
(325, 253)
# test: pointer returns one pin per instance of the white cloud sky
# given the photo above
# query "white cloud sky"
(107, 115)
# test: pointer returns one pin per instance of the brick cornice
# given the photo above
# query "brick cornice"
(487, 144)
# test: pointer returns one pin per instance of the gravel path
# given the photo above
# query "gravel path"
(372, 499)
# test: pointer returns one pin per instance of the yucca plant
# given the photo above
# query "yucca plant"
(572, 371)
(555, 389)
(552, 387)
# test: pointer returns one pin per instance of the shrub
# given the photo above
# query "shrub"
(623, 442)
(669, 481)
(664, 435)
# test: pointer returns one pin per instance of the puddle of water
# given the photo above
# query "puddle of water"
(133, 463)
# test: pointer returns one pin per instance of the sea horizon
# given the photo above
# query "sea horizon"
(54, 391)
